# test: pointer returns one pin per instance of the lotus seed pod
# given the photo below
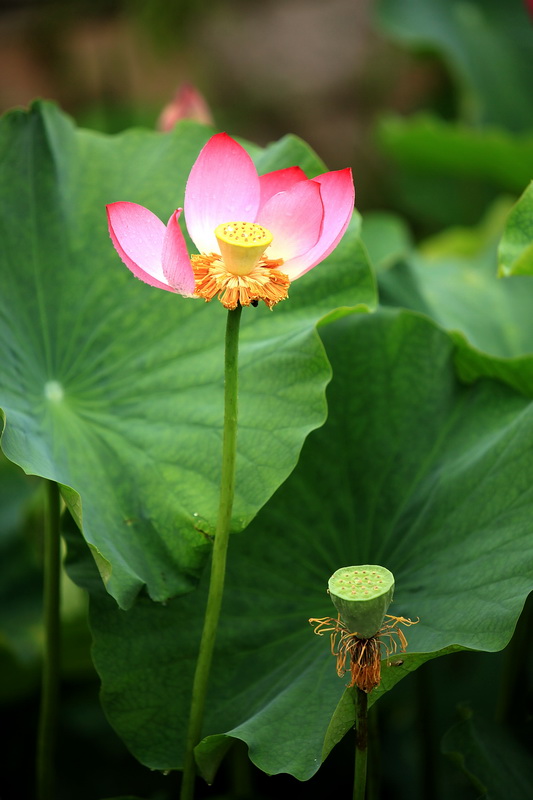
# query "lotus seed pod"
(362, 596)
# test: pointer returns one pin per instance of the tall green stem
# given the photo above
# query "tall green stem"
(46, 740)
(220, 548)
(373, 770)
(361, 747)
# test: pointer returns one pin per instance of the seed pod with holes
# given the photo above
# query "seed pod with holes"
(362, 596)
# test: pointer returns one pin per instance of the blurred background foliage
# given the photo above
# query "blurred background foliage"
(351, 78)
(422, 98)
(430, 102)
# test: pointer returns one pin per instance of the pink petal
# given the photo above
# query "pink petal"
(294, 218)
(279, 181)
(175, 259)
(223, 186)
(138, 236)
(338, 195)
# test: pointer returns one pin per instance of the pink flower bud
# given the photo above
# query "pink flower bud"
(188, 103)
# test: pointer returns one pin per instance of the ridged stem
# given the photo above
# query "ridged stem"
(218, 561)
(361, 744)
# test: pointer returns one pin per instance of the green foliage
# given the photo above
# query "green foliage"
(452, 277)
(436, 147)
(515, 253)
(494, 762)
(420, 459)
(485, 44)
(411, 470)
(21, 628)
(20, 587)
(445, 173)
(98, 367)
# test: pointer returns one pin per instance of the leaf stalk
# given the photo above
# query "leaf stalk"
(48, 713)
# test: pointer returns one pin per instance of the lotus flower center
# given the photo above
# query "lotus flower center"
(241, 245)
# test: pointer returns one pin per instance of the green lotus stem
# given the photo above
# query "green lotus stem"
(47, 731)
(373, 767)
(220, 548)
(361, 744)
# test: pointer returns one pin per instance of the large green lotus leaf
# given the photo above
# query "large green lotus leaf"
(115, 389)
(452, 278)
(412, 470)
(496, 764)
(387, 238)
(427, 144)
(515, 253)
(466, 168)
(486, 45)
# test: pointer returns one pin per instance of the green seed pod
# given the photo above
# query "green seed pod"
(362, 596)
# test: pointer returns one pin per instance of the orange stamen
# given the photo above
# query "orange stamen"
(365, 654)
(263, 282)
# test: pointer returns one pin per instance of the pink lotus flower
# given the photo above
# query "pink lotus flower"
(233, 216)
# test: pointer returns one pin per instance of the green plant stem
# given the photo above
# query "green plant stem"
(361, 744)
(220, 548)
(47, 732)
(374, 756)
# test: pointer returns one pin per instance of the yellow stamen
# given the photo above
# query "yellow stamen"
(241, 245)
(263, 282)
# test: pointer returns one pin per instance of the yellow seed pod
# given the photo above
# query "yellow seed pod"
(241, 245)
